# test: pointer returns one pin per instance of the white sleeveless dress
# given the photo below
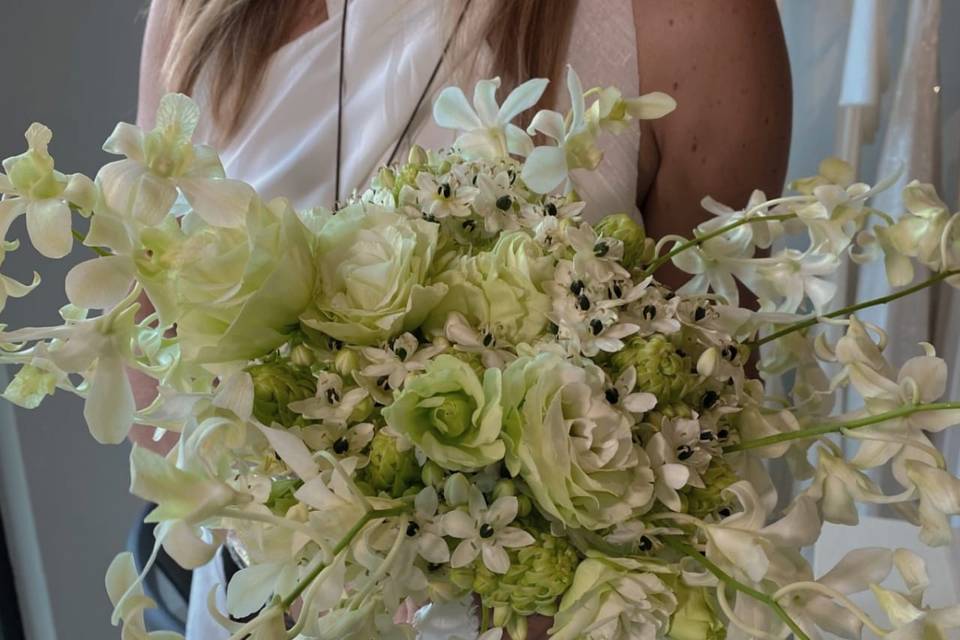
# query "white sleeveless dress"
(287, 146)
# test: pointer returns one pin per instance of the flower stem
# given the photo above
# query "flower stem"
(809, 322)
(97, 250)
(835, 427)
(732, 582)
(343, 544)
(689, 244)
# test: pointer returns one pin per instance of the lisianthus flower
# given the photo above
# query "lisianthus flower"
(572, 448)
(450, 414)
(487, 132)
(613, 599)
(483, 531)
(163, 162)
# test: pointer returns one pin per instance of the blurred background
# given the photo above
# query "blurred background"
(72, 66)
(889, 87)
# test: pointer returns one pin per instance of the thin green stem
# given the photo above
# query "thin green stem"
(836, 427)
(732, 582)
(340, 546)
(809, 322)
(484, 618)
(97, 250)
(680, 248)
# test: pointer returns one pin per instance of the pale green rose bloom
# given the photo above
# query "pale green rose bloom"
(575, 452)
(237, 294)
(501, 290)
(450, 414)
(613, 599)
(372, 274)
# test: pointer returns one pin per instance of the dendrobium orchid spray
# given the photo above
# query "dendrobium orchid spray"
(451, 404)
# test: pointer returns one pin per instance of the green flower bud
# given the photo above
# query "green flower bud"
(703, 501)
(661, 369)
(302, 355)
(417, 155)
(346, 362)
(625, 229)
(362, 411)
(456, 490)
(390, 470)
(386, 178)
(431, 474)
(524, 506)
(504, 488)
(538, 575)
(694, 618)
(275, 386)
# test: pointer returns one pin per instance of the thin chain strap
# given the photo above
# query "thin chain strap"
(416, 108)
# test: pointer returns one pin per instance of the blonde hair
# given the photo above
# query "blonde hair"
(231, 41)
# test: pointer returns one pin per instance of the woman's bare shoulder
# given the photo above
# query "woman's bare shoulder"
(726, 64)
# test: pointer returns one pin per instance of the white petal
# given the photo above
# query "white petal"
(640, 402)
(48, 223)
(221, 202)
(518, 142)
(426, 502)
(485, 101)
(433, 548)
(651, 106)
(126, 140)
(452, 111)
(545, 169)
(459, 524)
(522, 98)
(153, 198)
(857, 570)
(512, 537)
(250, 588)
(99, 283)
(503, 511)
(109, 407)
(293, 451)
(549, 123)
(495, 558)
(465, 553)
(188, 549)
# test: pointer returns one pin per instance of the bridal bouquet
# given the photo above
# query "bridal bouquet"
(452, 404)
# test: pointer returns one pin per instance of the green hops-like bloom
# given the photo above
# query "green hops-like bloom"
(717, 477)
(390, 470)
(539, 574)
(626, 230)
(695, 617)
(275, 386)
(662, 369)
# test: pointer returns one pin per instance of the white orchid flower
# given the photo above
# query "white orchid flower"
(546, 167)
(854, 573)
(487, 129)
(912, 622)
(939, 493)
(485, 532)
(164, 162)
(784, 281)
(744, 546)
(33, 187)
(10, 288)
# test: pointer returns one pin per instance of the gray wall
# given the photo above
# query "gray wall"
(72, 66)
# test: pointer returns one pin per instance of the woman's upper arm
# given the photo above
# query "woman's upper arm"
(156, 42)
(726, 64)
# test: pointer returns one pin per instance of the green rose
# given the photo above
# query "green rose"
(235, 294)
(372, 269)
(452, 416)
(501, 290)
(613, 599)
(575, 451)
